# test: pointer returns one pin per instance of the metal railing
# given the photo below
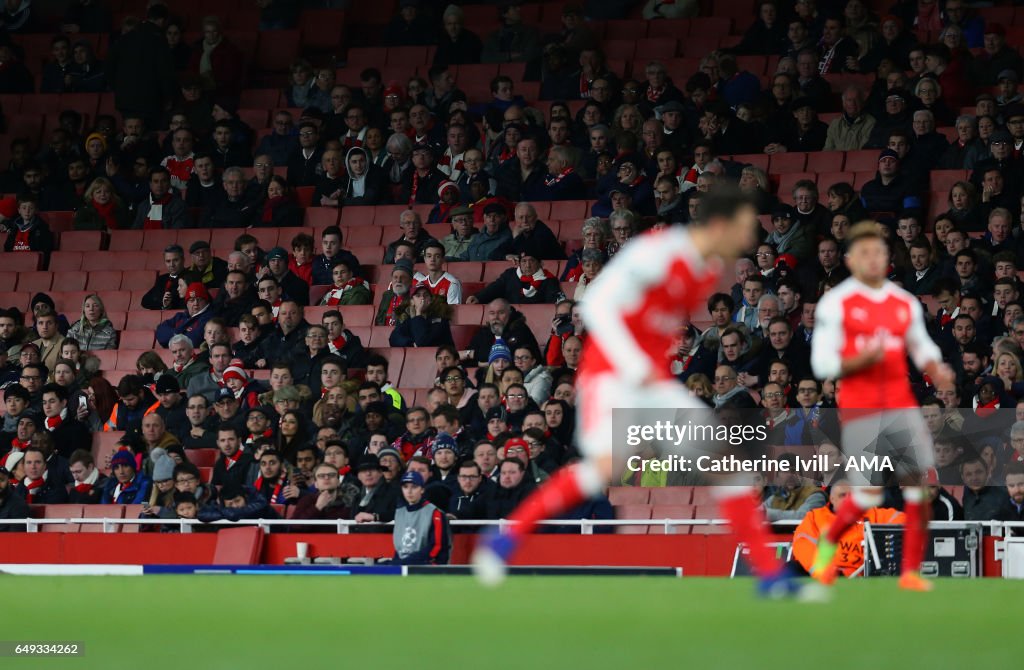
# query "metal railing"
(343, 526)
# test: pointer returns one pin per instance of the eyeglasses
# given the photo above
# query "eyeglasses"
(516, 396)
(261, 165)
(724, 379)
(764, 254)
(808, 389)
(524, 357)
(31, 378)
(307, 133)
(514, 450)
(773, 396)
(452, 378)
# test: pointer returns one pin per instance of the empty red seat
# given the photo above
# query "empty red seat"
(357, 315)
(670, 512)
(625, 29)
(61, 512)
(675, 28)
(468, 315)
(277, 50)
(632, 512)
(126, 240)
(790, 161)
(136, 339)
(100, 512)
(862, 160)
(81, 240)
(671, 495)
(17, 299)
(629, 495)
(322, 29)
(203, 458)
(34, 282)
(26, 261)
(126, 260)
(104, 280)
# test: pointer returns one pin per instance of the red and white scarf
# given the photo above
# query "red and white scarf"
(31, 486)
(86, 485)
(121, 488)
(531, 283)
(336, 345)
(53, 422)
(393, 305)
(178, 367)
(229, 461)
(335, 294)
(554, 179)
(258, 485)
(155, 216)
(269, 432)
(18, 445)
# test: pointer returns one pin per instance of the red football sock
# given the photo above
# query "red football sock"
(849, 513)
(747, 521)
(915, 535)
(558, 494)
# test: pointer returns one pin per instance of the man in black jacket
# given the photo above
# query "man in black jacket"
(67, 431)
(376, 500)
(292, 287)
(233, 210)
(235, 299)
(500, 320)
(36, 487)
(164, 294)
(529, 283)
(304, 162)
(474, 492)
(233, 463)
(513, 487)
(140, 69)
(522, 174)
(531, 234)
(12, 505)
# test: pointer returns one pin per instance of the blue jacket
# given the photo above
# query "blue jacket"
(256, 507)
(421, 535)
(136, 494)
(191, 326)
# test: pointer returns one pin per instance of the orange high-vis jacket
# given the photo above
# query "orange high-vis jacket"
(850, 554)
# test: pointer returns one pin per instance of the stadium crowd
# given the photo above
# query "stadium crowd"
(304, 416)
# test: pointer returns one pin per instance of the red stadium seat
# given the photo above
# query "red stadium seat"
(100, 512)
(321, 217)
(126, 260)
(625, 29)
(59, 222)
(29, 261)
(135, 280)
(629, 495)
(104, 280)
(632, 512)
(468, 315)
(322, 29)
(126, 240)
(131, 512)
(104, 444)
(757, 160)
(943, 180)
(357, 315)
(670, 512)
(34, 282)
(790, 161)
(254, 118)
(81, 240)
(862, 161)
(671, 495)
(674, 28)
(420, 368)
(137, 339)
(278, 49)
(17, 299)
(203, 458)
(380, 337)
(61, 512)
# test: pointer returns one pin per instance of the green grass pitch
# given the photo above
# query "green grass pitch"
(313, 622)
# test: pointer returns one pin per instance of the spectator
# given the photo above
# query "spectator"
(495, 240)
(888, 193)
(529, 283)
(216, 60)
(192, 321)
(377, 499)
(347, 289)
(520, 177)
(88, 483)
(140, 69)
(997, 56)
(94, 330)
(457, 46)
(421, 183)
(326, 501)
(28, 232)
(161, 209)
(513, 487)
(237, 502)
(791, 236)
(513, 41)
(853, 128)
(39, 486)
(127, 486)
(423, 320)
(982, 501)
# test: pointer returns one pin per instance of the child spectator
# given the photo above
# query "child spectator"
(28, 232)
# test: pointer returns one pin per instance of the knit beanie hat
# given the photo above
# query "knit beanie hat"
(236, 370)
(499, 350)
(163, 465)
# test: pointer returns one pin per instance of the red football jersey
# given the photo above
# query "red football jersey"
(635, 307)
(851, 317)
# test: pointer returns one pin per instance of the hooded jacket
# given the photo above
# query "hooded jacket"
(368, 189)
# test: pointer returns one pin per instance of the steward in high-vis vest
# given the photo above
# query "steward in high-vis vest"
(850, 555)
(135, 402)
